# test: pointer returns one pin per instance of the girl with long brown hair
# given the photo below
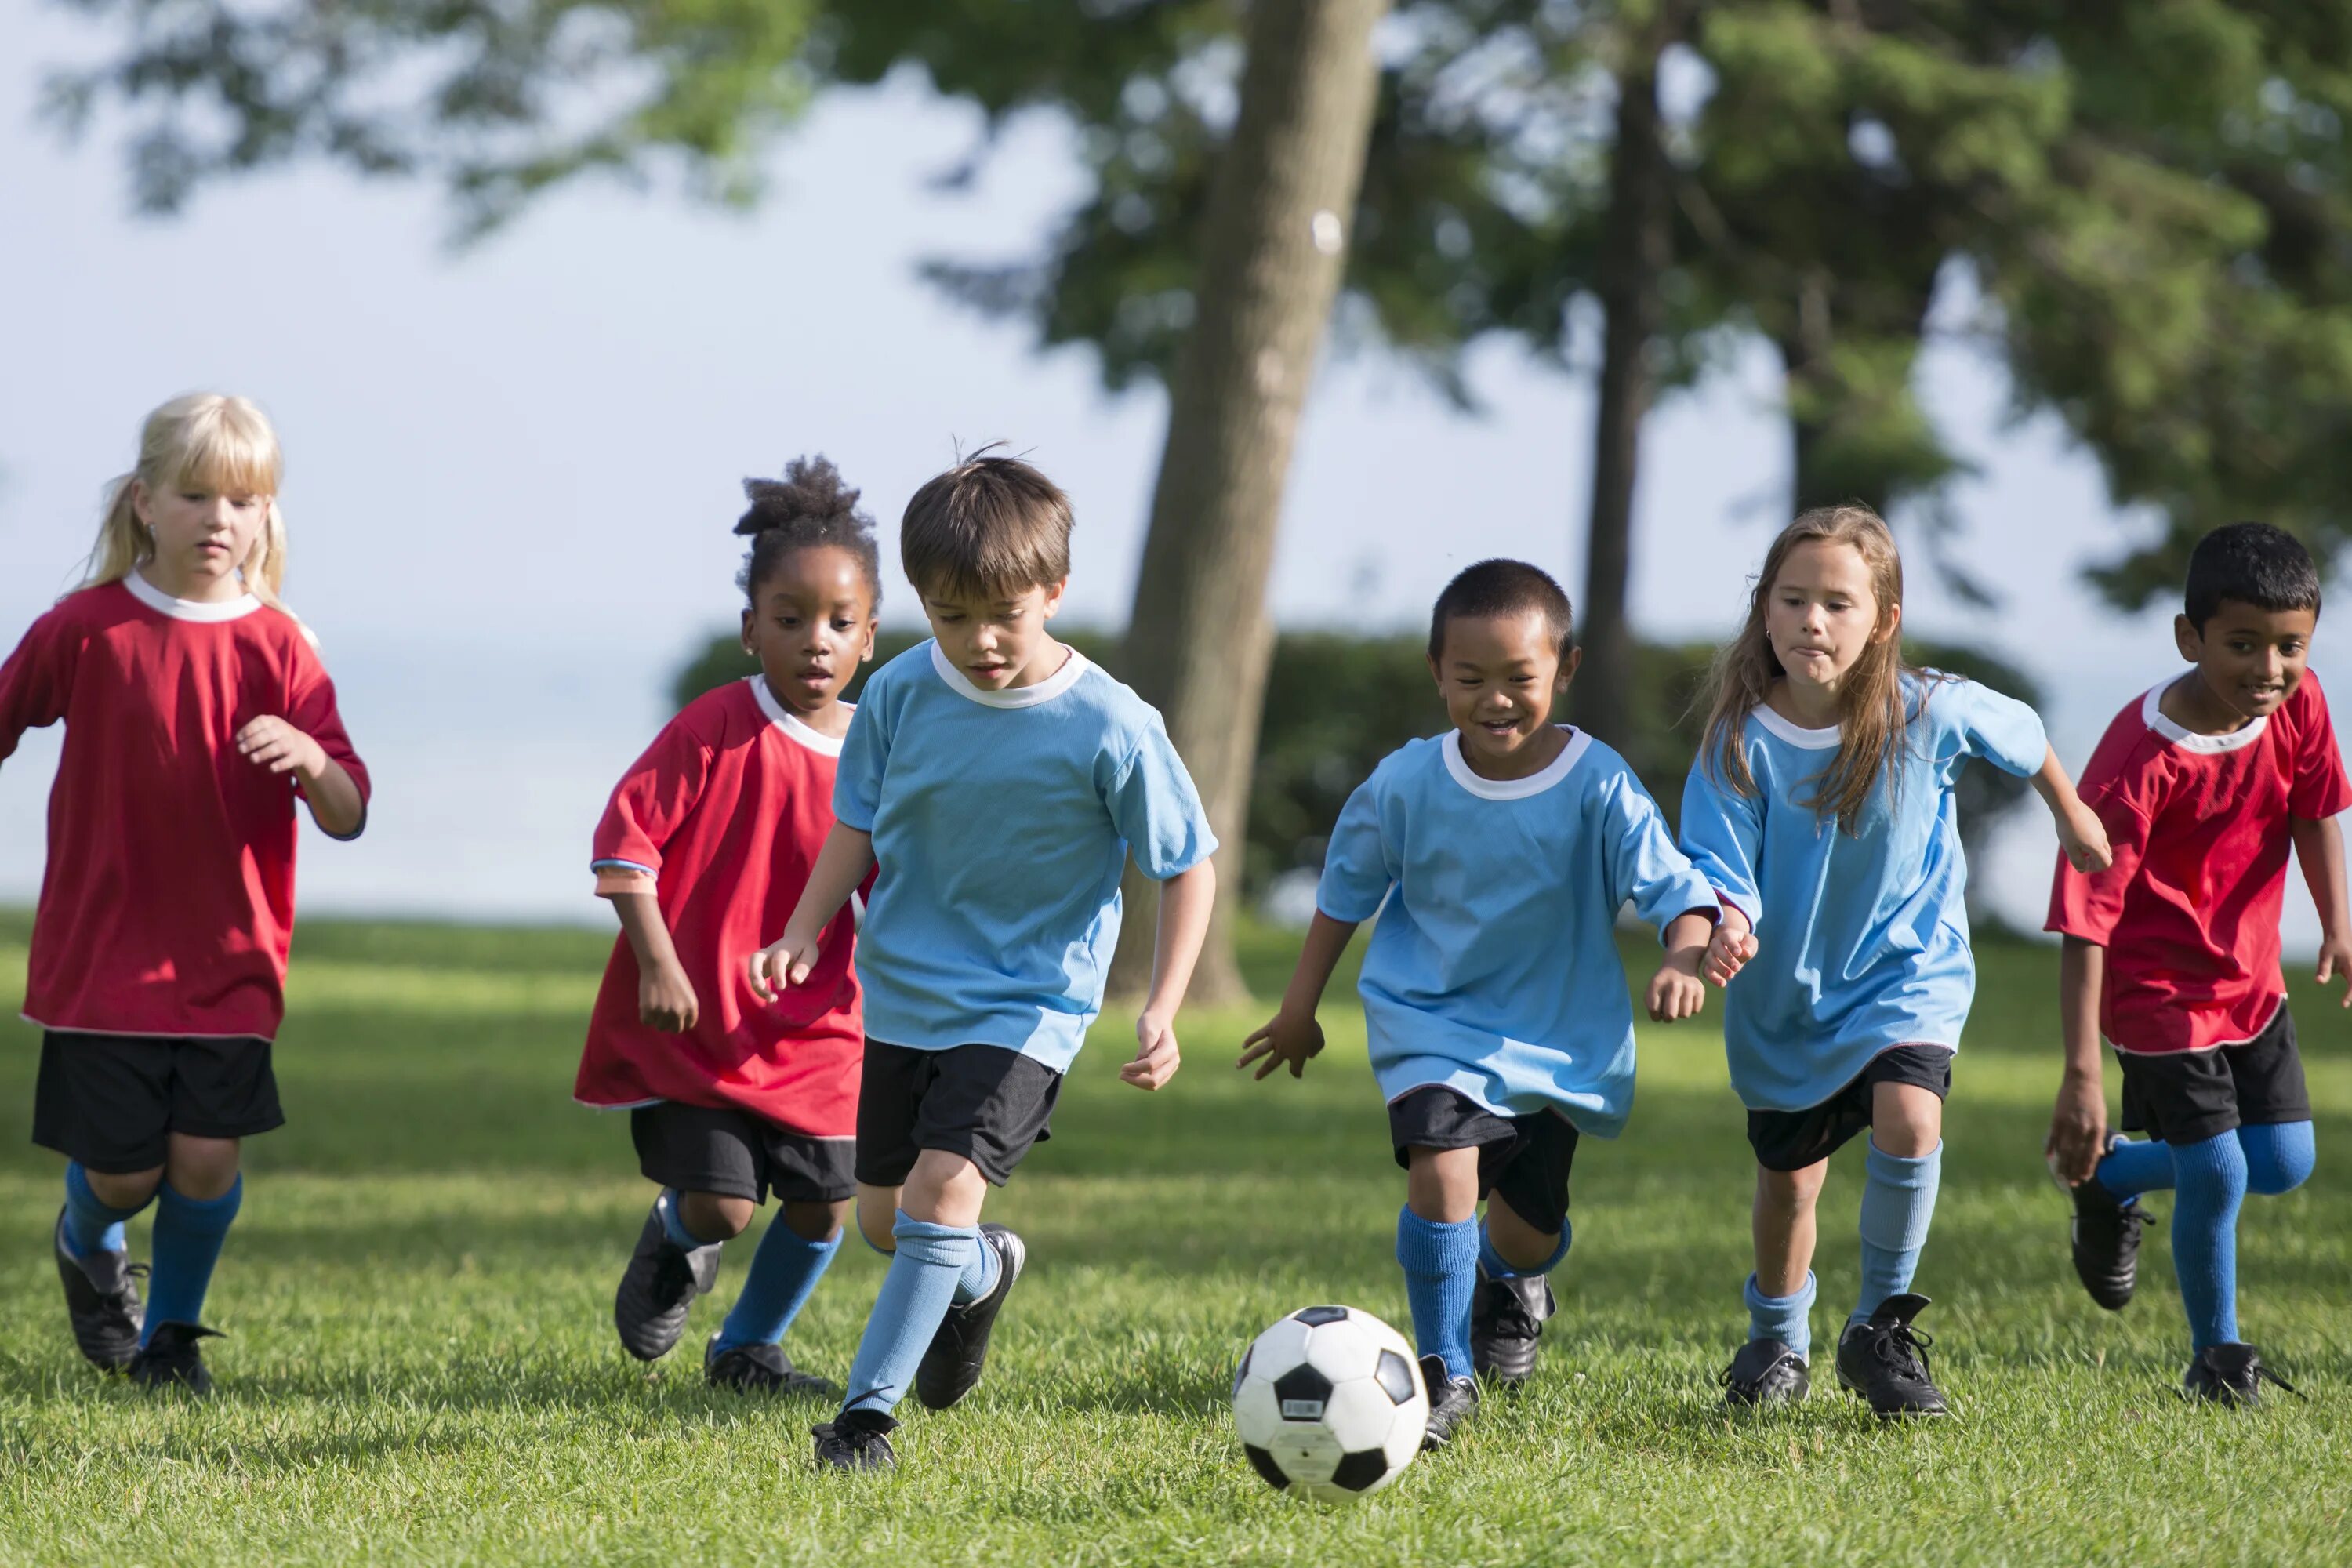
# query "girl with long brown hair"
(1821, 809)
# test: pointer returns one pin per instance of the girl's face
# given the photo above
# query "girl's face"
(1820, 613)
(1500, 676)
(201, 537)
(998, 643)
(810, 626)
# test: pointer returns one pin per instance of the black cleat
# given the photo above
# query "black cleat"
(1452, 1401)
(855, 1440)
(658, 1289)
(2105, 1241)
(102, 1302)
(1885, 1362)
(1506, 1318)
(1765, 1371)
(2230, 1375)
(958, 1351)
(763, 1369)
(170, 1359)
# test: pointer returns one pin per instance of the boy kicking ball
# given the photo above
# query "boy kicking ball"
(2173, 952)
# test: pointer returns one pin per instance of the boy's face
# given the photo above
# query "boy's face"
(999, 642)
(2249, 661)
(1500, 676)
(811, 626)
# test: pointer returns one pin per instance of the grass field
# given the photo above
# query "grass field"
(422, 1366)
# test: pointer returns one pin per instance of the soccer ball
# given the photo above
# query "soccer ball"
(1330, 1404)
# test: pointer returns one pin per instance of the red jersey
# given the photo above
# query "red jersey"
(167, 906)
(722, 819)
(2190, 911)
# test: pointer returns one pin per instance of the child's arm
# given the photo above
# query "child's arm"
(665, 999)
(2081, 834)
(2078, 1123)
(840, 867)
(1292, 1034)
(1676, 991)
(336, 804)
(1185, 899)
(2320, 849)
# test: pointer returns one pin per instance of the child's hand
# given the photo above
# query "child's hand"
(2336, 959)
(1728, 951)
(1283, 1041)
(1156, 1056)
(272, 742)
(1677, 991)
(782, 965)
(2078, 1131)
(665, 1000)
(2083, 837)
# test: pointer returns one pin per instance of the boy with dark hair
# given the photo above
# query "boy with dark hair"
(1497, 857)
(2173, 952)
(998, 781)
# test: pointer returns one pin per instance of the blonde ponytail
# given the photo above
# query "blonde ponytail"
(207, 441)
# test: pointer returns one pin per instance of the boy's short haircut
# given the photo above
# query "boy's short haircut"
(2254, 564)
(989, 527)
(1501, 587)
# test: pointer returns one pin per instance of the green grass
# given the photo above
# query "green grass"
(422, 1366)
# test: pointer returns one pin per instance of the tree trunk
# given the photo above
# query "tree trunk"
(1636, 250)
(1272, 247)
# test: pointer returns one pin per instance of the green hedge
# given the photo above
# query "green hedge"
(1337, 704)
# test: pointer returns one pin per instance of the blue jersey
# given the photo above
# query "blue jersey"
(1494, 968)
(1002, 821)
(1863, 938)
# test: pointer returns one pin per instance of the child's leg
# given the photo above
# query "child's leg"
(199, 1198)
(2279, 1156)
(1780, 1294)
(97, 1204)
(2212, 1176)
(1906, 1162)
(2129, 1169)
(703, 1219)
(799, 1245)
(935, 1257)
(1510, 1247)
(1437, 1246)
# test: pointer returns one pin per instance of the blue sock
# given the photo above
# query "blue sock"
(2278, 1158)
(186, 1244)
(979, 1276)
(783, 1274)
(674, 1223)
(1898, 1202)
(2213, 1183)
(1787, 1319)
(1441, 1270)
(1495, 1266)
(914, 1298)
(2129, 1169)
(92, 1225)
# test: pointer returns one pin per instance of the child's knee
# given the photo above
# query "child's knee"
(2279, 1158)
(714, 1216)
(813, 1220)
(1905, 1119)
(1791, 1192)
(1442, 1184)
(877, 1214)
(201, 1168)
(128, 1190)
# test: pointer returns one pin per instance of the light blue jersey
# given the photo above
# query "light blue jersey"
(1002, 821)
(1863, 938)
(1494, 968)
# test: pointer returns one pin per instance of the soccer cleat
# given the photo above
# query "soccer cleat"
(2104, 1236)
(959, 1351)
(102, 1302)
(1765, 1371)
(761, 1369)
(170, 1359)
(1885, 1362)
(1452, 1401)
(1506, 1318)
(658, 1289)
(855, 1440)
(2230, 1375)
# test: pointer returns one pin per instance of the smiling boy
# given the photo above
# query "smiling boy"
(2173, 953)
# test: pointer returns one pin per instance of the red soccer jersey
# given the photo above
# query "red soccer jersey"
(723, 816)
(167, 907)
(2190, 911)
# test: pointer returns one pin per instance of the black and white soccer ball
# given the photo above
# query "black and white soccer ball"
(1330, 1404)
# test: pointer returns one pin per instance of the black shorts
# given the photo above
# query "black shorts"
(701, 1149)
(987, 1103)
(1792, 1140)
(1523, 1160)
(112, 1101)
(2186, 1097)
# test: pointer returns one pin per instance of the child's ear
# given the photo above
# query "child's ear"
(1893, 626)
(1053, 598)
(873, 630)
(2187, 638)
(1431, 659)
(1568, 668)
(747, 636)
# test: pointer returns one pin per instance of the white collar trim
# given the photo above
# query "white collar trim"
(2151, 713)
(1550, 773)
(794, 727)
(1045, 690)
(1797, 734)
(155, 599)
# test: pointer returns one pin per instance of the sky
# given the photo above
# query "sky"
(512, 470)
